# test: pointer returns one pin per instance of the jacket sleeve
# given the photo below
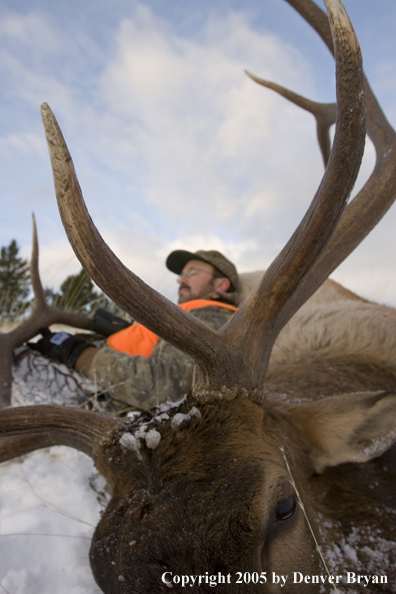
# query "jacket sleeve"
(145, 382)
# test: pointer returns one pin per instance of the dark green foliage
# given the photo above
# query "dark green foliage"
(76, 294)
(14, 283)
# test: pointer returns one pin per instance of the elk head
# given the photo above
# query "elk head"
(204, 487)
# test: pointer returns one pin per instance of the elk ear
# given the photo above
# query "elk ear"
(347, 428)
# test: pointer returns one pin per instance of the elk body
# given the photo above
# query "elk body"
(266, 451)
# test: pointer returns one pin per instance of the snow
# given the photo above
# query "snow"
(362, 551)
(37, 381)
(131, 443)
(48, 511)
(153, 438)
(50, 501)
(179, 418)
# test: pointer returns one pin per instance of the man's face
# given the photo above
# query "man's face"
(196, 281)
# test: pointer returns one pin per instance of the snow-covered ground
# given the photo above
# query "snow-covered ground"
(50, 501)
(48, 511)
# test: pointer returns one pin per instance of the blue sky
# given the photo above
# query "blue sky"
(173, 145)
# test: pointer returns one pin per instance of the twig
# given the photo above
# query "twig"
(63, 464)
(300, 503)
(43, 534)
(51, 505)
(95, 396)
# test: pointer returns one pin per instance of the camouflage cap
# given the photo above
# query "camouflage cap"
(177, 260)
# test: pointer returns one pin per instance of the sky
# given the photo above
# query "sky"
(174, 148)
(173, 145)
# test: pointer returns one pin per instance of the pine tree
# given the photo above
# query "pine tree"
(14, 283)
(76, 294)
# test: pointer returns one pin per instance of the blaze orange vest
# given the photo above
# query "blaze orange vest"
(137, 340)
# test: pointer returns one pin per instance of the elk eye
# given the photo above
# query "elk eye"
(285, 509)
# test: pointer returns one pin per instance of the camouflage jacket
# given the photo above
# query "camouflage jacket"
(147, 381)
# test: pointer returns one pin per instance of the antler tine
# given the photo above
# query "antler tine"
(146, 305)
(29, 428)
(8, 342)
(324, 113)
(222, 356)
(34, 269)
(378, 194)
(42, 315)
(256, 325)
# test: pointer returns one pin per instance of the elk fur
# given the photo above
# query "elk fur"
(214, 494)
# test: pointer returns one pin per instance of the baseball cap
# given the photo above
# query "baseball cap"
(177, 260)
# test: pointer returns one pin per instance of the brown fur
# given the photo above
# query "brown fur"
(205, 499)
(235, 486)
(203, 502)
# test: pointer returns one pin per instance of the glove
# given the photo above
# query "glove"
(106, 323)
(61, 347)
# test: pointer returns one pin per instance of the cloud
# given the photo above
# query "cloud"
(200, 125)
(173, 145)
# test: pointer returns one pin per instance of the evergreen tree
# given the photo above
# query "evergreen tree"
(76, 294)
(14, 283)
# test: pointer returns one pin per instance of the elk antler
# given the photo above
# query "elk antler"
(42, 315)
(149, 307)
(378, 194)
(324, 113)
(234, 360)
(53, 425)
(276, 298)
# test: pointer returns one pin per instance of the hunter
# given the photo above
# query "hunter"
(135, 366)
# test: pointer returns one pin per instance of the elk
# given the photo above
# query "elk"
(236, 479)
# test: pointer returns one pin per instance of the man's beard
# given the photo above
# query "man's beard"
(185, 297)
(188, 296)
